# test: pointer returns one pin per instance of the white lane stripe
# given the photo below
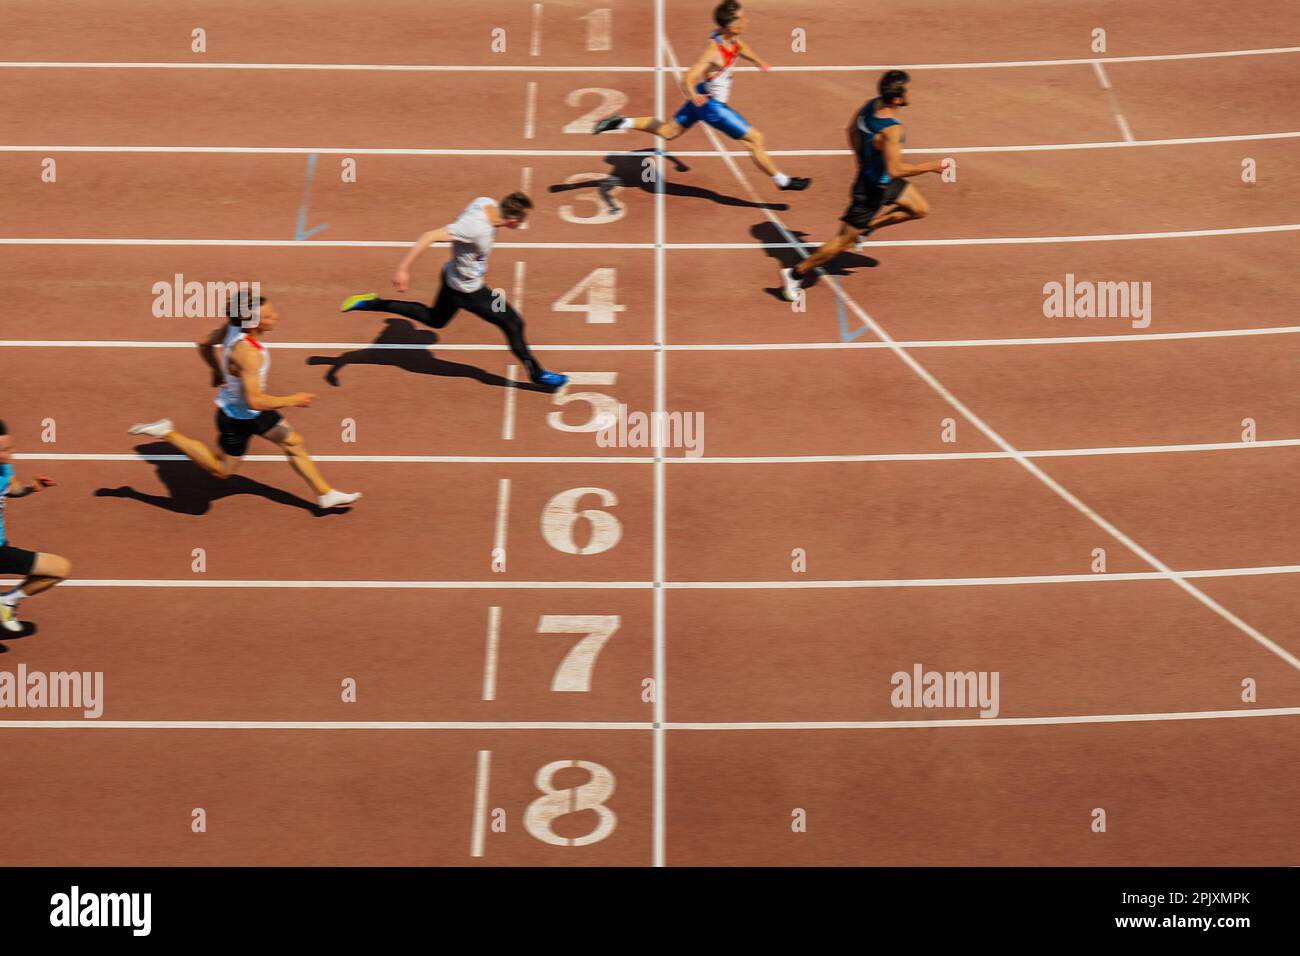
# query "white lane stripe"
(480, 725)
(480, 803)
(508, 416)
(707, 347)
(535, 43)
(697, 153)
(502, 519)
(493, 649)
(507, 68)
(403, 585)
(659, 802)
(1123, 126)
(996, 438)
(1113, 100)
(1101, 74)
(530, 109)
(749, 246)
(703, 460)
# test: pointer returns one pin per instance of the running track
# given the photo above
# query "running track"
(825, 432)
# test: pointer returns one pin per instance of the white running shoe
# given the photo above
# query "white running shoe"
(791, 283)
(338, 499)
(9, 618)
(158, 429)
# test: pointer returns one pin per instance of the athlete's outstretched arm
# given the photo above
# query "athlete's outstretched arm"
(855, 137)
(402, 277)
(890, 142)
(249, 364)
(18, 490)
(208, 352)
(748, 53)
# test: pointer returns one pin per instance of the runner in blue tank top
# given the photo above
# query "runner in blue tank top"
(881, 195)
(708, 84)
(39, 572)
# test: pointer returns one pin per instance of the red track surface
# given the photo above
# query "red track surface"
(749, 658)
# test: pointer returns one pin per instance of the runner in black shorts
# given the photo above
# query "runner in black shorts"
(881, 194)
(39, 572)
(244, 408)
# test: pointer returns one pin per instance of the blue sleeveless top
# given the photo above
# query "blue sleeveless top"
(871, 162)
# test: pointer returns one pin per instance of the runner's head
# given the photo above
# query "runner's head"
(6, 444)
(515, 209)
(252, 312)
(893, 87)
(730, 17)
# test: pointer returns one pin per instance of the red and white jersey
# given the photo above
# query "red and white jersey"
(718, 85)
(230, 397)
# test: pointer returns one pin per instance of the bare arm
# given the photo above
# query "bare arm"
(890, 142)
(855, 137)
(208, 352)
(696, 74)
(18, 490)
(248, 364)
(402, 277)
(748, 53)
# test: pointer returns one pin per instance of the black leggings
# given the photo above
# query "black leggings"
(450, 301)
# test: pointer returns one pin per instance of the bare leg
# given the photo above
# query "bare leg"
(657, 127)
(214, 463)
(296, 451)
(829, 250)
(49, 570)
(910, 205)
(758, 152)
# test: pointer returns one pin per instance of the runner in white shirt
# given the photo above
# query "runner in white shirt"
(708, 84)
(471, 237)
(244, 409)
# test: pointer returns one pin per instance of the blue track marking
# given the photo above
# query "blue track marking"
(301, 231)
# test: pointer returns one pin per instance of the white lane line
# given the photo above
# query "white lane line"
(660, 535)
(405, 585)
(508, 416)
(480, 803)
(996, 438)
(502, 520)
(748, 246)
(506, 68)
(525, 187)
(493, 649)
(1114, 101)
(696, 153)
(480, 725)
(535, 42)
(517, 298)
(530, 109)
(508, 432)
(705, 347)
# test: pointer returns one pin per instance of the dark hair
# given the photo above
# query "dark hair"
(726, 13)
(516, 206)
(893, 83)
(240, 306)
(3, 429)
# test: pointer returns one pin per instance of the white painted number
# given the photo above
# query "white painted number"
(603, 213)
(611, 101)
(600, 30)
(574, 672)
(553, 804)
(560, 516)
(600, 286)
(604, 408)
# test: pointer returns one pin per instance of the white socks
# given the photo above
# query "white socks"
(781, 179)
(13, 597)
(626, 123)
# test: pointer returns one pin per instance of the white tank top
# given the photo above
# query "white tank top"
(718, 86)
(230, 397)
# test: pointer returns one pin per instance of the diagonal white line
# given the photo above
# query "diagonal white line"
(987, 431)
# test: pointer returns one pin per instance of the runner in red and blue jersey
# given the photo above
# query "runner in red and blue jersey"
(708, 84)
(881, 194)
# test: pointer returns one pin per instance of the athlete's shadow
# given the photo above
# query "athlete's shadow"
(402, 345)
(29, 630)
(842, 265)
(631, 171)
(193, 490)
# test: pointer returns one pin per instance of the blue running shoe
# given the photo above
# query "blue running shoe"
(551, 379)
